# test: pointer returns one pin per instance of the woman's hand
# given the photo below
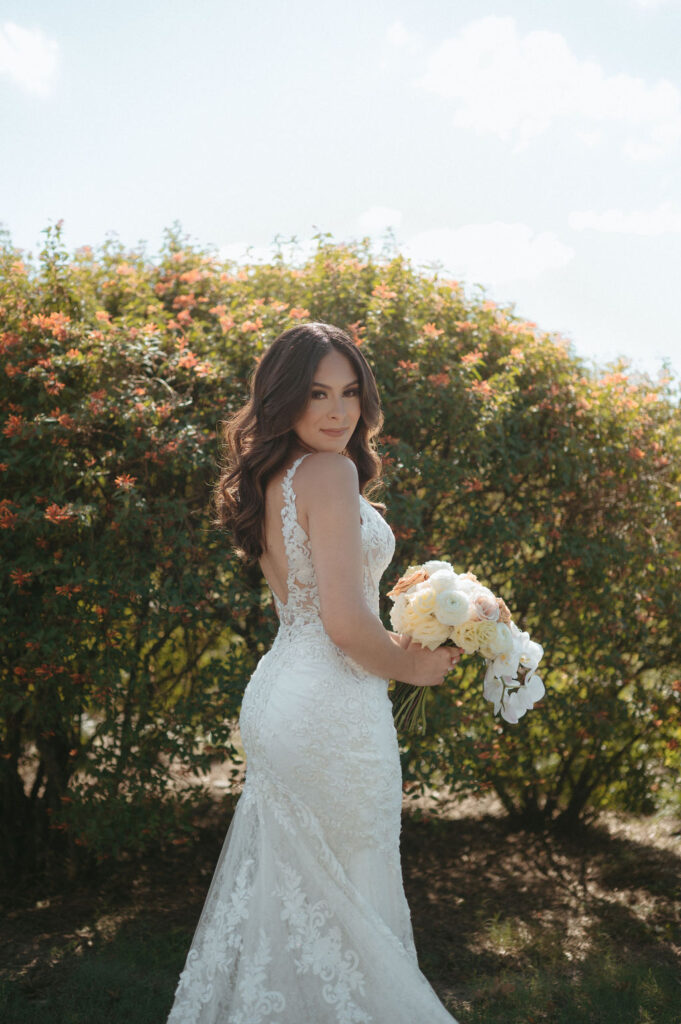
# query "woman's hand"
(430, 667)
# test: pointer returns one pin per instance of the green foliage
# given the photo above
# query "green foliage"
(129, 629)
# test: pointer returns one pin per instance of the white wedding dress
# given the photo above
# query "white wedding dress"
(306, 920)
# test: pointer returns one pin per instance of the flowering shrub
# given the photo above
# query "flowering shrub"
(128, 627)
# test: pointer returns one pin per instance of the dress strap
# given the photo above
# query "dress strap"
(294, 535)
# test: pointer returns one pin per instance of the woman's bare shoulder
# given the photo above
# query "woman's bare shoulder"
(325, 473)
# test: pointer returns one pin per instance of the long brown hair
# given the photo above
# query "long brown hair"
(259, 437)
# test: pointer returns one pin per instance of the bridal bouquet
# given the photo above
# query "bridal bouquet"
(433, 605)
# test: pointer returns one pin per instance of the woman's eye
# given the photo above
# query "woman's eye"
(350, 393)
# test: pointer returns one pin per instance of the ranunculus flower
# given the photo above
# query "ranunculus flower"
(432, 567)
(442, 580)
(451, 607)
(467, 586)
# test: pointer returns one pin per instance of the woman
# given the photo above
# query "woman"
(306, 921)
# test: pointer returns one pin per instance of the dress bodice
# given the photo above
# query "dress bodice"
(302, 606)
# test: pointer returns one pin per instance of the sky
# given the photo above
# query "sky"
(527, 148)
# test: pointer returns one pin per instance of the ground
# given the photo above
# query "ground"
(509, 926)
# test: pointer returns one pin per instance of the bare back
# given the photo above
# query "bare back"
(273, 561)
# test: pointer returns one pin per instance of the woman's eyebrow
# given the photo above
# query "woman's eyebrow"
(317, 384)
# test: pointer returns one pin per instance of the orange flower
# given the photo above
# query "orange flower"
(14, 425)
(483, 388)
(125, 481)
(439, 379)
(20, 577)
(53, 386)
(299, 313)
(251, 325)
(356, 331)
(471, 357)
(55, 323)
(191, 276)
(7, 340)
(7, 517)
(381, 291)
(407, 364)
(189, 359)
(431, 331)
(58, 514)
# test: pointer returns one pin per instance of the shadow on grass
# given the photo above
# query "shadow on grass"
(520, 927)
(510, 927)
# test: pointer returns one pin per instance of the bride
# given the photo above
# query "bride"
(306, 920)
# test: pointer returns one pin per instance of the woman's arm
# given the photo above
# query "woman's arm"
(329, 489)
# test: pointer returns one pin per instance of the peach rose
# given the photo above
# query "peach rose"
(405, 582)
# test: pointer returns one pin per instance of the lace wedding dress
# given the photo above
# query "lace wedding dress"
(306, 920)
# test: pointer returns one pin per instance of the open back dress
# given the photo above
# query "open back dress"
(306, 920)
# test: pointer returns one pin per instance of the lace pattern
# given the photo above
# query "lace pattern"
(306, 921)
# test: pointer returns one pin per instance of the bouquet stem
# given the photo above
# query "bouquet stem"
(409, 707)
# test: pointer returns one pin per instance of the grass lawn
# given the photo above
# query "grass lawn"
(510, 927)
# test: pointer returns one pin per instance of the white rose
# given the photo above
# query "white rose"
(429, 632)
(422, 600)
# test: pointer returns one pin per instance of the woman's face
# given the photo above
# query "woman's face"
(334, 405)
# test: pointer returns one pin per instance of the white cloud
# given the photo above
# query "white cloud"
(653, 5)
(490, 254)
(517, 86)
(398, 35)
(664, 219)
(379, 218)
(28, 58)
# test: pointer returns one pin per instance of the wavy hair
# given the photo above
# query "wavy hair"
(258, 439)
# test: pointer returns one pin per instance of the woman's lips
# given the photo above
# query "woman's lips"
(334, 433)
